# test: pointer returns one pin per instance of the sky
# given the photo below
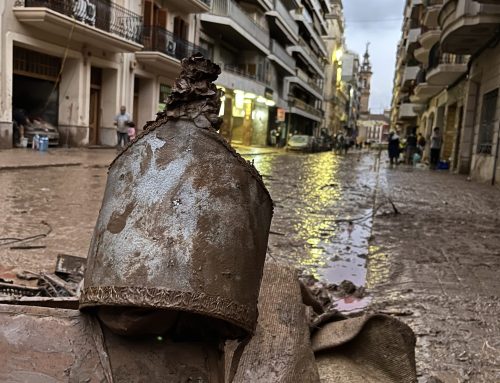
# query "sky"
(378, 22)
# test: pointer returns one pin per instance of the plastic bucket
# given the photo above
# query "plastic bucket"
(43, 144)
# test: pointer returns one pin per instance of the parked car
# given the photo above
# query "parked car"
(300, 142)
(42, 128)
(322, 143)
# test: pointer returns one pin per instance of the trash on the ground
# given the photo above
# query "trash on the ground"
(64, 282)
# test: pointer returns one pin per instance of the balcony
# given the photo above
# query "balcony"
(409, 77)
(233, 76)
(336, 14)
(300, 107)
(467, 25)
(446, 69)
(431, 13)
(421, 55)
(407, 111)
(228, 20)
(429, 38)
(282, 57)
(423, 91)
(100, 23)
(304, 82)
(282, 20)
(302, 15)
(188, 6)
(164, 51)
(412, 41)
(308, 56)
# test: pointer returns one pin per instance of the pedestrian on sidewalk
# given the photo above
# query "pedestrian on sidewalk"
(411, 148)
(121, 121)
(393, 148)
(272, 137)
(436, 143)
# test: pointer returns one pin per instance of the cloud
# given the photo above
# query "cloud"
(377, 22)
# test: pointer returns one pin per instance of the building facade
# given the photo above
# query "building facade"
(448, 76)
(335, 101)
(74, 63)
(273, 59)
(86, 58)
(351, 88)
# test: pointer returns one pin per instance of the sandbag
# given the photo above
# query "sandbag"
(369, 349)
(280, 351)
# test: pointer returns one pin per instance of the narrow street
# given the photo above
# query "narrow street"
(434, 265)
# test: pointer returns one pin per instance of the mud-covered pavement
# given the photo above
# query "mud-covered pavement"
(435, 265)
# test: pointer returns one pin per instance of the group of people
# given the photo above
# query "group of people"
(414, 148)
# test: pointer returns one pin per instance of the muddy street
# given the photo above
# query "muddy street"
(434, 265)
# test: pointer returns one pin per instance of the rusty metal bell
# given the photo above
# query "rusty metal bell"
(185, 220)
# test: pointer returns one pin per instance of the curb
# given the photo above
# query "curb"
(38, 166)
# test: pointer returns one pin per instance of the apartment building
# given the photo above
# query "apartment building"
(447, 76)
(334, 99)
(351, 88)
(273, 60)
(74, 63)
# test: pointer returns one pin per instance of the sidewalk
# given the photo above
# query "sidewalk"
(27, 158)
(11, 159)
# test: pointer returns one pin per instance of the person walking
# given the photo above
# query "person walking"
(393, 148)
(121, 121)
(436, 143)
(411, 148)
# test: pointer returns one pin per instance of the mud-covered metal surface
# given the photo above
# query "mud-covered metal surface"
(185, 220)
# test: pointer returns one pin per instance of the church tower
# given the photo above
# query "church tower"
(365, 76)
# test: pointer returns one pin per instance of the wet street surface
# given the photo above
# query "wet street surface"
(435, 265)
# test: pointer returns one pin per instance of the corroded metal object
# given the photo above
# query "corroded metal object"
(185, 220)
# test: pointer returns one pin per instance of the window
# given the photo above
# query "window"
(487, 124)
(165, 91)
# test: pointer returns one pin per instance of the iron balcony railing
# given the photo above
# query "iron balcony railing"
(282, 54)
(101, 14)
(228, 8)
(160, 40)
(259, 77)
(299, 104)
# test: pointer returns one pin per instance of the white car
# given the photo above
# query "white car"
(301, 143)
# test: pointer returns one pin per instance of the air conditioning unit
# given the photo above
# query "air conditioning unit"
(171, 45)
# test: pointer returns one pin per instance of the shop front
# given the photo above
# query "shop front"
(35, 95)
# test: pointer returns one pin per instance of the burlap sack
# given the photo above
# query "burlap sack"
(280, 351)
(368, 349)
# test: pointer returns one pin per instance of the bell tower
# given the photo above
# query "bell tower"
(365, 76)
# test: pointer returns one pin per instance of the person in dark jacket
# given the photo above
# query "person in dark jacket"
(393, 148)
(411, 147)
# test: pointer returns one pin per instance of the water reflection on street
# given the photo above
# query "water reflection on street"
(323, 212)
(322, 221)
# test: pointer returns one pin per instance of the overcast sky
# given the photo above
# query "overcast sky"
(377, 22)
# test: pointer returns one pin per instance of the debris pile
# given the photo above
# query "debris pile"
(65, 281)
(327, 294)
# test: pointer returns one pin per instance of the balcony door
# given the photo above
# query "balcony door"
(155, 18)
